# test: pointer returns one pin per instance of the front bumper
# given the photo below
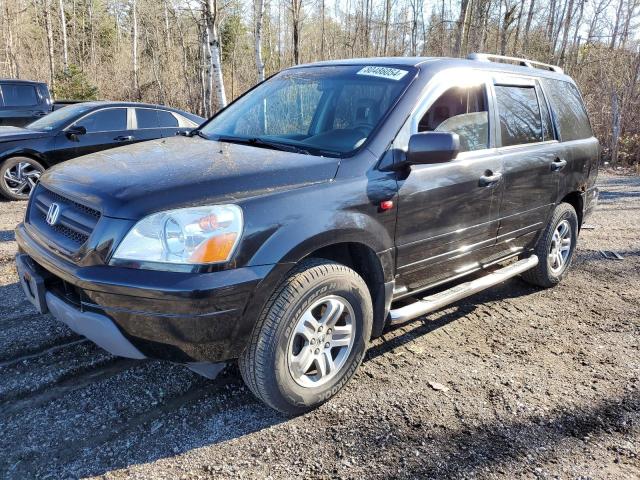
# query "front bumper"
(176, 316)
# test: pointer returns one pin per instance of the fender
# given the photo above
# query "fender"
(19, 151)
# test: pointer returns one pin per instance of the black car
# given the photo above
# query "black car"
(23, 101)
(328, 202)
(77, 130)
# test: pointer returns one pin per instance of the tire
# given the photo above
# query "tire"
(18, 176)
(277, 347)
(550, 271)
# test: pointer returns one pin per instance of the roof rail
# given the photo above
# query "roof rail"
(488, 57)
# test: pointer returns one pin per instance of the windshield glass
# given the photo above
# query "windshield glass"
(325, 110)
(59, 118)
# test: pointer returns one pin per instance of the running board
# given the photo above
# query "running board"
(434, 302)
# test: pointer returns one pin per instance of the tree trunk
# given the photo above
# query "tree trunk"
(527, 27)
(49, 29)
(65, 45)
(565, 34)
(616, 26)
(134, 49)
(296, 7)
(258, 39)
(387, 19)
(460, 30)
(213, 47)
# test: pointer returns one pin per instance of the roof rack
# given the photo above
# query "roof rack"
(525, 62)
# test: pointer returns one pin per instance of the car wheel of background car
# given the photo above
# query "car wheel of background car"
(310, 338)
(555, 248)
(18, 176)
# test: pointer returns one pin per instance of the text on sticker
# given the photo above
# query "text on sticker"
(383, 72)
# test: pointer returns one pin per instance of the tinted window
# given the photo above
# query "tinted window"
(547, 126)
(462, 111)
(105, 120)
(519, 113)
(147, 118)
(568, 109)
(19, 95)
(166, 119)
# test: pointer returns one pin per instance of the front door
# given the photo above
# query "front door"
(106, 128)
(448, 212)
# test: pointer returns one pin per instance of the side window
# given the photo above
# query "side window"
(519, 112)
(146, 118)
(568, 109)
(19, 95)
(462, 111)
(547, 125)
(167, 120)
(112, 119)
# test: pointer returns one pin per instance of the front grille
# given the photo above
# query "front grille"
(75, 222)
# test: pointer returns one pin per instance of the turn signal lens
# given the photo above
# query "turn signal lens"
(215, 249)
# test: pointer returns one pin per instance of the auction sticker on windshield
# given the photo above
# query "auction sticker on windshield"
(383, 72)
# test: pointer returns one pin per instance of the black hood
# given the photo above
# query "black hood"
(11, 134)
(133, 181)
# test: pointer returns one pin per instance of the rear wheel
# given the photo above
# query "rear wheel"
(18, 176)
(310, 338)
(555, 248)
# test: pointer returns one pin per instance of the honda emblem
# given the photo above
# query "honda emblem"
(52, 214)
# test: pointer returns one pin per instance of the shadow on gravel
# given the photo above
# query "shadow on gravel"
(510, 289)
(7, 236)
(471, 451)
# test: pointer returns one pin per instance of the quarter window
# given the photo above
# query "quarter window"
(568, 109)
(519, 111)
(19, 95)
(167, 119)
(547, 126)
(109, 120)
(462, 111)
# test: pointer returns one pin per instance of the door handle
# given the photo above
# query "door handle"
(490, 178)
(124, 138)
(558, 164)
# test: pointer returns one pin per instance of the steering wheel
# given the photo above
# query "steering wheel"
(364, 128)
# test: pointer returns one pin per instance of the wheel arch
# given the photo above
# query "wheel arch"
(576, 200)
(27, 153)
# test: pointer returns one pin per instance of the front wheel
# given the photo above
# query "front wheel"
(555, 248)
(310, 338)
(18, 176)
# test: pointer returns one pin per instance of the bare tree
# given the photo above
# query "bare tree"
(65, 45)
(134, 48)
(215, 79)
(259, 12)
(296, 10)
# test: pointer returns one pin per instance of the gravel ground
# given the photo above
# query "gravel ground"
(514, 382)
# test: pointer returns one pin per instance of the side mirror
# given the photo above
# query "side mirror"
(75, 131)
(432, 147)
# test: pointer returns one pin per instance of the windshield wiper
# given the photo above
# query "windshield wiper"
(259, 142)
(199, 133)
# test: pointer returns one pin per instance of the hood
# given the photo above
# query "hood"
(10, 134)
(133, 181)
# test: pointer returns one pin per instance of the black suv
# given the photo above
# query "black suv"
(23, 101)
(285, 231)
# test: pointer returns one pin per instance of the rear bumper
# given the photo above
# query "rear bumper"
(177, 316)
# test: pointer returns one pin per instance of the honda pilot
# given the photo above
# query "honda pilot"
(328, 202)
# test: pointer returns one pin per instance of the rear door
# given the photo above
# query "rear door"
(147, 126)
(448, 212)
(173, 123)
(532, 158)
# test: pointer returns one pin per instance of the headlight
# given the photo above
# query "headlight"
(184, 236)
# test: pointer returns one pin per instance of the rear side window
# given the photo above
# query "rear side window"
(166, 119)
(19, 95)
(568, 109)
(146, 118)
(461, 110)
(519, 112)
(112, 119)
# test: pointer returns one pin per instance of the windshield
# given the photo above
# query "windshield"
(324, 110)
(59, 118)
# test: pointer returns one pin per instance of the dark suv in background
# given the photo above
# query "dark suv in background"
(23, 101)
(326, 203)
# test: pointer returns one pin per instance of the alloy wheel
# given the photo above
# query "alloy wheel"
(560, 247)
(321, 341)
(21, 178)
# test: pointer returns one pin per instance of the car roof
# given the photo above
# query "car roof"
(435, 64)
(105, 103)
(26, 82)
